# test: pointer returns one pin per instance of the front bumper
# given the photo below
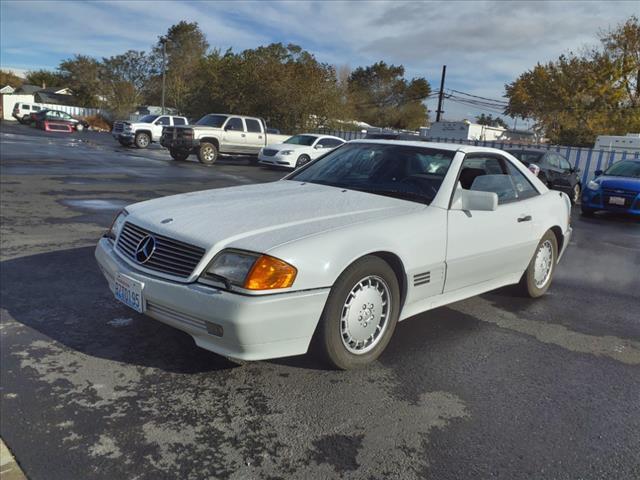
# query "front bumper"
(278, 160)
(179, 143)
(252, 327)
(123, 136)
(596, 200)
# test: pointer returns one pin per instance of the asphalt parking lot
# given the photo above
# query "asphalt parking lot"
(497, 386)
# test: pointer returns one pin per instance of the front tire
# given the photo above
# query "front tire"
(360, 315)
(142, 140)
(178, 155)
(302, 160)
(575, 194)
(208, 153)
(537, 278)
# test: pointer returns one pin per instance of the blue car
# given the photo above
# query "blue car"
(615, 190)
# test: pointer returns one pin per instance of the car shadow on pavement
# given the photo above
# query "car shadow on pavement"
(63, 296)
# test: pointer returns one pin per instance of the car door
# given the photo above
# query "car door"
(488, 245)
(234, 137)
(158, 125)
(554, 171)
(324, 145)
(254, 135)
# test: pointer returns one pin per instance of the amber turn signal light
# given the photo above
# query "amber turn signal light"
(268, 273)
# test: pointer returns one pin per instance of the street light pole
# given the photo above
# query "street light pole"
(439, 111)
(163, 40)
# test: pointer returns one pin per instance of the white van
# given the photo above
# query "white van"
(629, 142)
(22, 111)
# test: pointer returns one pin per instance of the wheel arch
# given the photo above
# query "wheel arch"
(557, 231)
(148, 132)
(213, 140)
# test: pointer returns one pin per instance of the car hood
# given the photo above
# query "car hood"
(263, 216)
(286, 146)
(624, 183)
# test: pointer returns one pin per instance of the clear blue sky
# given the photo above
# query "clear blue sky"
(483, 44)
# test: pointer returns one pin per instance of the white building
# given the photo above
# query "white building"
(466, 130)
(619, 143)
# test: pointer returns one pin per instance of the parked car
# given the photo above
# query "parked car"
(617, 189)
(38, 119)
(553, 169)
(146, 130)
(298, 150)
(339, 250)
(216, 134)
(22, 111)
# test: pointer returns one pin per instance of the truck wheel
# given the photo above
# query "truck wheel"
(208, 153)
(536, 279)
(178, 155)
(142, 140)
(360, 314)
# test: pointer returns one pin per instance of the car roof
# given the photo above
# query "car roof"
(524, 150)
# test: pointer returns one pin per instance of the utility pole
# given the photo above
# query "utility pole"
(163, 40)
(439, 111)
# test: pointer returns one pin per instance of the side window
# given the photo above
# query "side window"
(25, 107)
(553, 160)
(523, 186)
(330, 142)
(235, 124)
(163, 121)
(35, 108)
(179, 121)
(488, 174)
(253, 125)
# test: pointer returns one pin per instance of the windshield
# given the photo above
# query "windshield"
(528, 157)
(212, 120)
(406, 172)
(302, 140)
(148, 118)
(625, 168)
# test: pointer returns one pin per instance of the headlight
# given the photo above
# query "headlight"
(286, 152)
(249, 270)
(593, 185)
(117, 224)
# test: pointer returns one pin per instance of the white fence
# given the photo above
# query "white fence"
(8, 102)
(588, 160)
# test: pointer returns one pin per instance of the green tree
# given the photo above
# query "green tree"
(124, 79)
(490, 121)
(186, 47)
(577, 97)
(45, 78)
(380, 95)
(10, 78)
(82, 74)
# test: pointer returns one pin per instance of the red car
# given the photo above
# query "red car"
(58, 117)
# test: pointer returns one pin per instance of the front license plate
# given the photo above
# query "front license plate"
(616, 201)
(129, 292)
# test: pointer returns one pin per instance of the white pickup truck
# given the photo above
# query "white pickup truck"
(216, 134)
(146, 130)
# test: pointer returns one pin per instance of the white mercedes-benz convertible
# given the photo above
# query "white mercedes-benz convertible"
(339, 251)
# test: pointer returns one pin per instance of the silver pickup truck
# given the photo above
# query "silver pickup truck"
(216, 134)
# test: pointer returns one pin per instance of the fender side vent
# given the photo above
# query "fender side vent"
(421, 279)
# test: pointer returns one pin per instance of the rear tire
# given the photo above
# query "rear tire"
(363, 307)
(178, 155)
(208, 153)
(142, 140)
(537, 277)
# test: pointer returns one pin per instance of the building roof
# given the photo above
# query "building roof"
(54, 98)
(7, 89)
(28, 89)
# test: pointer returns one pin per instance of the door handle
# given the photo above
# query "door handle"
(243, 135)
(524, 218)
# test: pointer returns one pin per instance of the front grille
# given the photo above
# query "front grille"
(170, 256)
(619, 192)
(267, 152)
(118, 127)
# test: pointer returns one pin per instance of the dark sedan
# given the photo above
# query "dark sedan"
(57, 116)
(553, 169)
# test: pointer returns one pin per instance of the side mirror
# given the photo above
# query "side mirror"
(597, 173)
(319, 146)
(470, 200)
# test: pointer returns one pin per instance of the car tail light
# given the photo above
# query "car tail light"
(535, 169)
